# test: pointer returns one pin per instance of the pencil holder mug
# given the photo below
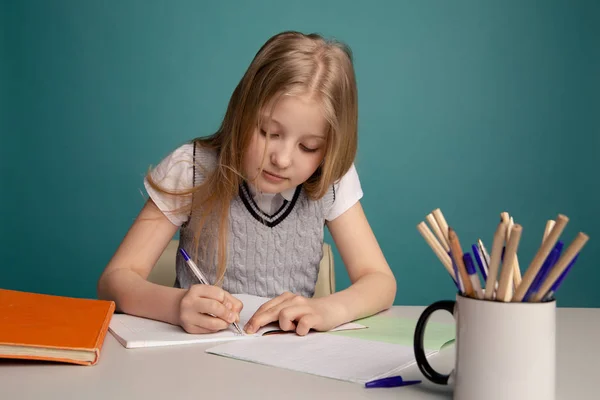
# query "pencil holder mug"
(503, 350)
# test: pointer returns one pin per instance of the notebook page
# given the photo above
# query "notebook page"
(134, 332)
(326, 355)
(251, 304)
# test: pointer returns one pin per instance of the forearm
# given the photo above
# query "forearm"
(134, 295)
(370, 294)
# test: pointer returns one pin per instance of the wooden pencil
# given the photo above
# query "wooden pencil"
(438, 232)
(437, 248)
(549, 226)
(562, 263)
(457, 255)
(504, 294)
(441, 220)
(508, 223)
(517, 269)
(540, 257)
(497, 246)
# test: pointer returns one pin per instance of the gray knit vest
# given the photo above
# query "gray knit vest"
(266, 254)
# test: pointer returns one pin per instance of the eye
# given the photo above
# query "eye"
(308, 149)
(264, 133)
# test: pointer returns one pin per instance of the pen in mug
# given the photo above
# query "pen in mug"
(459, 283)
(543, 272)
(473, 275)
(554, 288)
(485, 257)
(561, 265)
(457, 256)
(196, 271)
(480, 262)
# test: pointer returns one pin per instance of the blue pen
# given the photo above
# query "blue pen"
(544, 270)
(202, 279)
(485, 256)
(472, 272)
(482, 267)
(392, 381)
(457, 281)
(556, 285)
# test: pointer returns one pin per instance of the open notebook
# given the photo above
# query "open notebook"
(135, 332)
(356, 356)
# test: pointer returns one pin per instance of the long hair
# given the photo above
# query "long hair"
(289, 63)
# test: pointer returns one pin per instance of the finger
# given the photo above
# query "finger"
(214, 308)
(275, 302)
(265, 315)
(288, 315)
(194, 322)
(306, 323)
(209, 291)
(262, 318)
(236, 304)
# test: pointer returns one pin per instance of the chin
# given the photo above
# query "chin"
(269, 187)
(272, 189)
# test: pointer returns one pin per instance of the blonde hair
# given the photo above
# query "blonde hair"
(290, 63)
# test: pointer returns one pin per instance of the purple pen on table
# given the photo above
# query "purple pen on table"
(544, 270)
(392, 381)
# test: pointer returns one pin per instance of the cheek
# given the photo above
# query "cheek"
(254, 153)
(311, 163)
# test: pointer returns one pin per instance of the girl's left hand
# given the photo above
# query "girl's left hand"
(293, 313)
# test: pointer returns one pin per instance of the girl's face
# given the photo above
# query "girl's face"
(295, 149)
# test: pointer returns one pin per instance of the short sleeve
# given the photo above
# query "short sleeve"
(174, 173)
(347, 191)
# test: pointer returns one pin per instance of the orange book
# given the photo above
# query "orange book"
(53, 328)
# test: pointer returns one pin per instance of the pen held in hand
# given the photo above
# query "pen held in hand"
(202, 279)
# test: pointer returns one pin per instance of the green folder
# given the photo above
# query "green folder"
(398, 330)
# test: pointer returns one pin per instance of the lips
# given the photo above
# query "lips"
(273, 178)
(274, 175)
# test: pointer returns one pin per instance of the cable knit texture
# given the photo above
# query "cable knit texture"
(267, 254)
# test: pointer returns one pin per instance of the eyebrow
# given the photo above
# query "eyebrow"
(312, 136)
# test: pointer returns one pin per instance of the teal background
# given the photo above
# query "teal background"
(476, 107)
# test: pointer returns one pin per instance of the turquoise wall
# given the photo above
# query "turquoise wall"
(476, 107)
(10, 139)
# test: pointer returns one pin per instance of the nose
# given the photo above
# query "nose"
(281, 156)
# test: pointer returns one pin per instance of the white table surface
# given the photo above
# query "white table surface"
(187, 372)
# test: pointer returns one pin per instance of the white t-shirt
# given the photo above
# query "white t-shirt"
(176, 172)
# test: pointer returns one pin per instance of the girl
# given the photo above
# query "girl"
(251, 202)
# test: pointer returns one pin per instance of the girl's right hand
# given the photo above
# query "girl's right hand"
(208, 309)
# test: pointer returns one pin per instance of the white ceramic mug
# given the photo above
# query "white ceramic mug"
(503, 350)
